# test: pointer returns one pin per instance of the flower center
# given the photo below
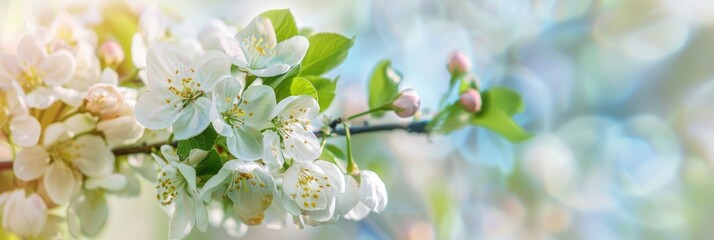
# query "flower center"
(63, 151)
(257, 47)
(167, 188)
(186, 88)
(30, 79)
(241, 180)
(310, 187)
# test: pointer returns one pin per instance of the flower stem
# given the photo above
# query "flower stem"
(374, 110)
(351, 165)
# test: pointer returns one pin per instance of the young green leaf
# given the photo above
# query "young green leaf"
(203, 141)
(326, 51)
(325, 90)
(283, 23)
(505, 99)
(452, 118)
(294, 87)
(383, 86)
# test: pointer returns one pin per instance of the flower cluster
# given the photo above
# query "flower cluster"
(62, 111)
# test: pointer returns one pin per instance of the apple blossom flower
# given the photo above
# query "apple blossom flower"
(407, 104)
(178, 88)
(177, 190)
(23, 214)
(249, 185)
(458, 63)
(240, 116)
(255, 49)
(24, 128)
(471, 101)
(103, 100)
(111, 53)
(62, 160)
(372, 196)
(310, 189)
(38, 73)
(292, 137)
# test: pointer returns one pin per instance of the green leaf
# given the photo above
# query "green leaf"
(505, 99)
(383, 88)
(326, 51)
(452, 118)
(294, 87)
(203, 141)
(283, 23)
(275, 81)
(335, 151)
(209, 166)
(500, 122)
(325, 90)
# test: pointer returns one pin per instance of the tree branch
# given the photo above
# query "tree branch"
(412, 127)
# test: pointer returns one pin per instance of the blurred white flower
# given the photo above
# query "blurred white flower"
(255, 49)
(249, 185)
(111, 53)
(213, 32)
(177, 189)
(87, 213)
(291, 118)
(23, 214)
(178, 88)
(62, 160)
(372, 196)
(38, 73)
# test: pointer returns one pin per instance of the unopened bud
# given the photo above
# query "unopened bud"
(471, 101)
(458, 63)
(111, 53)
(407, 104)
(104, 100)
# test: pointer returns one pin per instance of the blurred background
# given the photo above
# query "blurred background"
(619, 96)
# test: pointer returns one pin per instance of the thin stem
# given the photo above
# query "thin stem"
(379, 109)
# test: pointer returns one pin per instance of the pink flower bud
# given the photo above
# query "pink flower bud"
(407, 104)
(104, 100)
(111, 53)
(471, 101)
(458, 62)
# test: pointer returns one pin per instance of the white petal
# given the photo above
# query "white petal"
(260, 27)
(123, 130)
(259, 105)
(69, 96)
(372, 191)
(233, 49)
(291, 106)
(271, 71)
(325, 214)
(246, 143)
(193, 119)
(24, 216)
(250, 203)
(25, 130)
(60, 182)
(154, 113)
(291, 51)
(302, 145)
(241, 166)
(349, 199)
(80, 123)
(162, 61)
(225, 92)
(95, 158)
(30, 163)
(112, 182)
(58, 67)
(358, 213)
(9, 68)
(276, 217)
(212, 183)
(109, 76)
(196, 156)
(212, 66)
(138, 51)
(30, 52)
(183, 218)
(92, 211)
(333, 174)
(169, 153)
(235, 228)
(273, 153)
(189, 173)
(53, 133)
(201, 214)
(42, 97)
